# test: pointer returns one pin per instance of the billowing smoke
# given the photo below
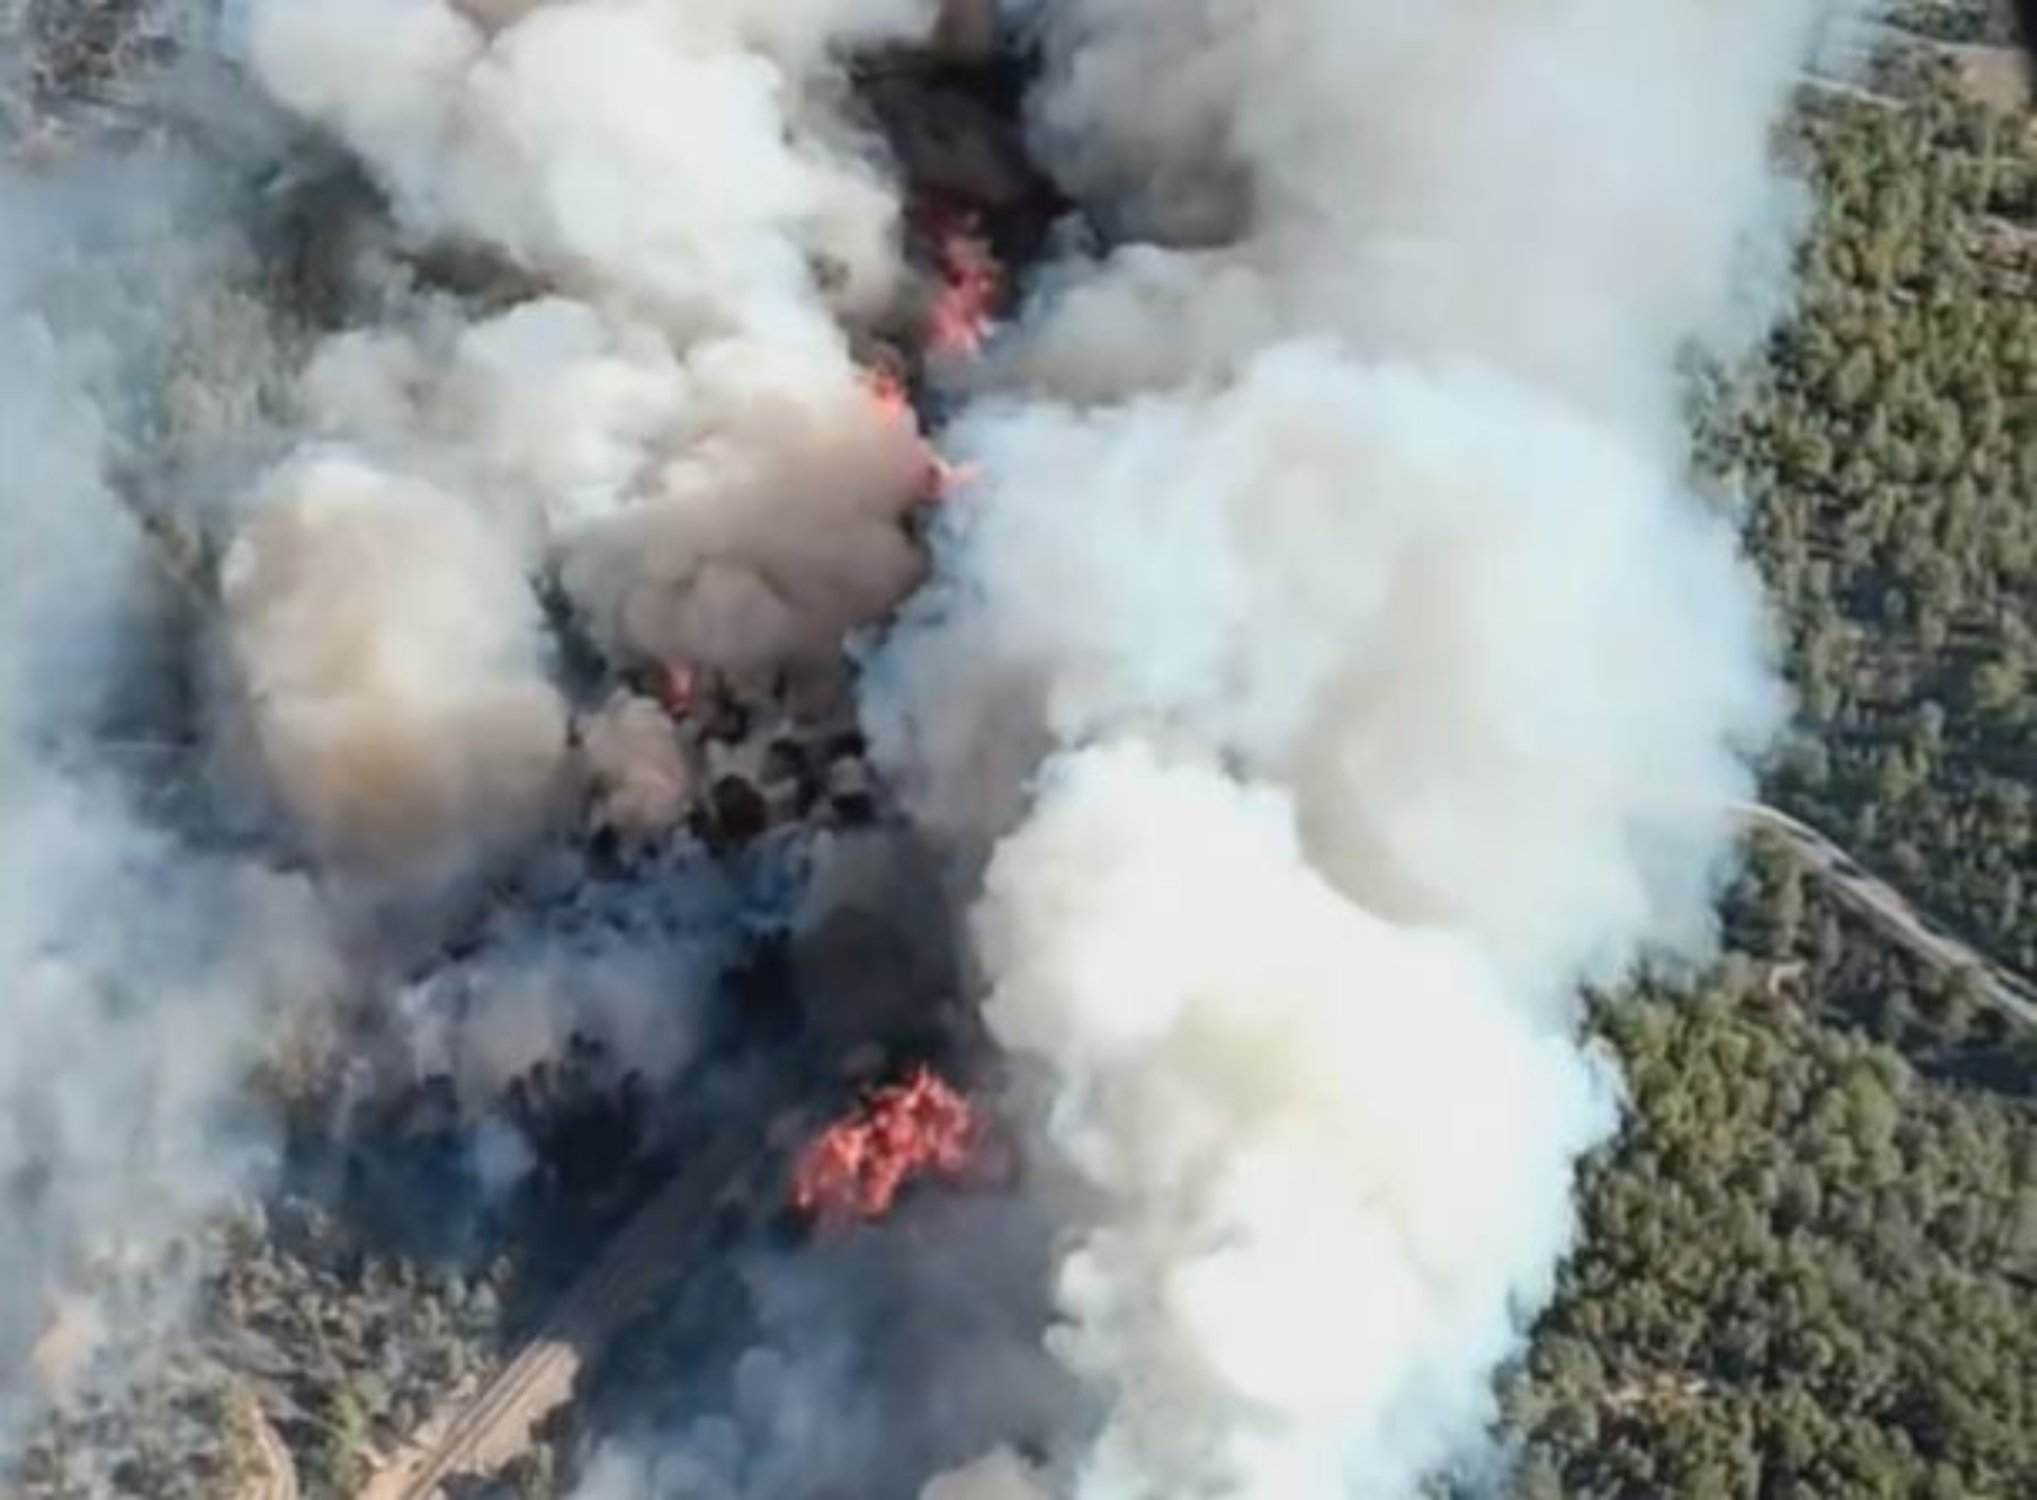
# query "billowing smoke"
(653, 400)
(1324, 670)
(678, 428)
(144, 969)
(1336, 664)
(1330, 1153)
(1385, 585)
(277, 635)
(388, 649)
(1568, 192)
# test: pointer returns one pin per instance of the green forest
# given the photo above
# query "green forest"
(1809, 1265)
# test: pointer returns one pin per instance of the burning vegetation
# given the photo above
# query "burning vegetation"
(971, 283)
(694, 736)
(856, 1167)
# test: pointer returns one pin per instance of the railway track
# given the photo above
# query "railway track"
(653, 1250)
(487, 1432)
(1883, 906)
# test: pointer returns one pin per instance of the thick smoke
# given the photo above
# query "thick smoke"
(1387, 586)
(143, 968)
(933, 1357)
(1331, 639)
(274, 636)
(644, 407)
(389, 652)
(678, 427)
(1330, 1154)
(1569, 192)
(1326, 671)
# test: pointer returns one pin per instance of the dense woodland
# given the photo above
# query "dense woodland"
(1809, 1266)
(1888, 455)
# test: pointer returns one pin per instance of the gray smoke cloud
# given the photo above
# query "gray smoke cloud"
(1327, 1154)
(665, 419)
(276, 676)
(1326, 670)
(143, 967)
(875, 1359)
(679, 426)
(1419, 183)
(390, 657)
(1335, 667)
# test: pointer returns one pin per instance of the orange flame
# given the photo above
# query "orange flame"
(856, 1167)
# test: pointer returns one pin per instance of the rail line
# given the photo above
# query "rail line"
(653, 1249)
(1882, 905)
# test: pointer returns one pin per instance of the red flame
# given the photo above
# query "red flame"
(971, 282)
(855, 1168)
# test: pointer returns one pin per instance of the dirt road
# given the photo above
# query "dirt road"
(654, 1249)
(1883, 905)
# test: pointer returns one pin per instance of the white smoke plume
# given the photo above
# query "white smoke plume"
(144, 967)
(1331, 638)
(678, 161)
(390, 656)
(1569, 192)
(668, 423)
(666, 420)
(1385, 585)
(675, 428)
(1328, 668)
(1330, 1153)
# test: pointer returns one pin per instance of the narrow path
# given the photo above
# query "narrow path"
(1884, 906)
(653, 1249)
(483, 1434)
